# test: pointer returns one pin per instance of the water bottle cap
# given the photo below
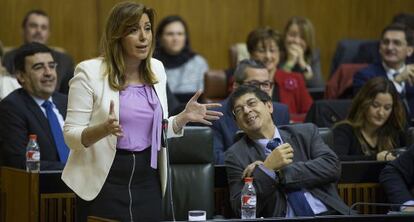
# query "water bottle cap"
(33, 136)
(248, 179)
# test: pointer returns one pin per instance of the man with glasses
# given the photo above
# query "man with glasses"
(34, 109)
(248, 72)
(294, 171)
(396, 45)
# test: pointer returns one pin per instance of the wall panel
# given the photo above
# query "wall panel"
(214, 24)
(73, 23)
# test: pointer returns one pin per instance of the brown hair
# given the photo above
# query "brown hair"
(359, 108)
(307, 33)
(261, 35)
(123, 16)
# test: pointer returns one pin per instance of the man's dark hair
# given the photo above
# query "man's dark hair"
(240, 72)
(245, 89)
(404, 18)
(25, 50)
(409, 34)
(29, 13)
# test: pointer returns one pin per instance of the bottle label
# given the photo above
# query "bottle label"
(249, 200)
(33, 155)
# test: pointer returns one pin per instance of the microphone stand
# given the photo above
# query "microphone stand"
(169, 177)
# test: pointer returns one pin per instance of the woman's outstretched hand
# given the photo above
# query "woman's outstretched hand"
(197, 112)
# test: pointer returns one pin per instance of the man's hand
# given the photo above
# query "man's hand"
(280, 157)
(406, 75)
(385, 156)
(408, 209)
(250, 168)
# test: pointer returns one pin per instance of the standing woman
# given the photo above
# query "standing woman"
(116, 105)
(375, 124)
(299, 52)
(185, 69)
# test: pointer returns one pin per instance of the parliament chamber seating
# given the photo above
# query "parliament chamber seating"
(192, 171)
(196, 183)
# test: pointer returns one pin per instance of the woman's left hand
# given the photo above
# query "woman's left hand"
(197, 112)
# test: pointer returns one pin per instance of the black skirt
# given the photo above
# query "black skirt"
(131, 192)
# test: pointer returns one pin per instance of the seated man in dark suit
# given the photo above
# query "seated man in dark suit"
(294, 171)
(36, 28)
(397, 178)
(395, 46)
(248, 72)
(34, 109)
(369, 52)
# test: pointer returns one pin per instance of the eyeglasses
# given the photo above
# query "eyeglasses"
(265, 85)
(251, 103)
(43, 66)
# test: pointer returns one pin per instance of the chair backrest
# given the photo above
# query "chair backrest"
(346, 51)
(325, 113)
(215, 86)
(238, 52)
(327, 136)
(340, 83)
(192, 171)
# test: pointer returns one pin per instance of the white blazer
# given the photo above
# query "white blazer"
(88, 105)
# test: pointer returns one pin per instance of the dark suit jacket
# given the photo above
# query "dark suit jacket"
(397, 178)
(225, 128)
(375, 70)
(20, 116)
(315, 167)
(64, 69)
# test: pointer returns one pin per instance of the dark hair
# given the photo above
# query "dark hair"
(360, 105)
(404, 18)
(261, 35)
(409, 35)
(245, 89)
(29, 13)
(240, 72)
(28, 49)
(166, 21)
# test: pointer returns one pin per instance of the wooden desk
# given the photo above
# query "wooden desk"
(34, 196)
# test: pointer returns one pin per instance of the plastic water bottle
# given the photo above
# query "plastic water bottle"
(248, 200)
(32, 154)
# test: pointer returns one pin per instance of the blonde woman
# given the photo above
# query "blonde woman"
(299, 53)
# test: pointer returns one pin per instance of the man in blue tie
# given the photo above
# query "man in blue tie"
(34, 109)
(294, 171)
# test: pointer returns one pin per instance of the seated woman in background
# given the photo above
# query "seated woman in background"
(375, 125)
(263, 45)
(299, 53)
(185, 69)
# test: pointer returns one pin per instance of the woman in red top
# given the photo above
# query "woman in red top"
(263, 44)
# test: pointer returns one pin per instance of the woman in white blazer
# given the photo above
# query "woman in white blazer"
(116, 105)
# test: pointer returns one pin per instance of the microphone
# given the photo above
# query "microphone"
(164, 143)
(377, 205)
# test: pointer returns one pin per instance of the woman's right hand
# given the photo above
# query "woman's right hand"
(385, 156)
(111, 125)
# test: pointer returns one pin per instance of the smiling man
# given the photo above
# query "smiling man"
(294, 171)
(396, 45)
(34, 109)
